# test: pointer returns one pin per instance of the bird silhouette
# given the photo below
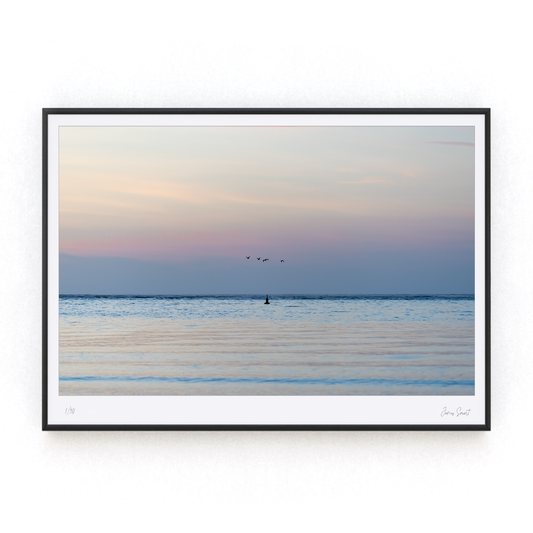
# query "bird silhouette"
(265, 260)
(247, 257)
(283, 260)
(258, 258)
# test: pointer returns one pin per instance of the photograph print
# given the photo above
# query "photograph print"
(268, 256)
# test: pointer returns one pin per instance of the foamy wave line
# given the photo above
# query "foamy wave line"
(326, 381)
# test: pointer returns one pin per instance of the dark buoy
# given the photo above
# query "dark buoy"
(267, 302)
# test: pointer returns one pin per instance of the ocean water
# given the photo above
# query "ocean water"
(236, 345)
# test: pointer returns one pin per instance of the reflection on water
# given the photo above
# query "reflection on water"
(238, 346)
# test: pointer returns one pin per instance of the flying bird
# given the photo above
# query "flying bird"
(283, 260)
(265, 260)
(247, 257)
(258, 258)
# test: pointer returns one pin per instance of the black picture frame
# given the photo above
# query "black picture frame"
(446, 416)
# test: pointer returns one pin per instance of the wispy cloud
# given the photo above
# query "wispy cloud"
(365, 181)
(451, 143)
(350, 170)
(384, 169)
(409, 173)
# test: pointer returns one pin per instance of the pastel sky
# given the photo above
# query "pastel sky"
(183, 206)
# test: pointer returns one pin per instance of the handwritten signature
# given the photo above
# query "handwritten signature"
(459, 412)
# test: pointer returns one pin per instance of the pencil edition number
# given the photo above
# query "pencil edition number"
(70, 411)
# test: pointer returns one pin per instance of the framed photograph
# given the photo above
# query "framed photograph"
(266, 269)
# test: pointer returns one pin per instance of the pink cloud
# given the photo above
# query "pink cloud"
(451, 143)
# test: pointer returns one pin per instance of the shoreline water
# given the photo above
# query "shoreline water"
(234, 345)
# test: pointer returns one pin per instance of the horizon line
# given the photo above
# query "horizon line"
(261, 295)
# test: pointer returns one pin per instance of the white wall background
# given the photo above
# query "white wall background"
(270, 54)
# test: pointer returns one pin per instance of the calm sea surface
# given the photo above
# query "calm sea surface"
(236, 345)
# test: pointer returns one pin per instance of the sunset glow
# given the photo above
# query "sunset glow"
(184, 194)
